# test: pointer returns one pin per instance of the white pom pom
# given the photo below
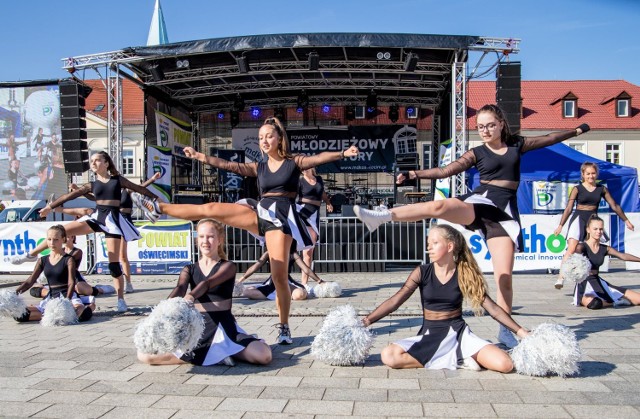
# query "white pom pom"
(238, 290)
(575, 268)
(342, 340)
(327, 290)
(11, 304)
(550, 349)
(59, 312)
(173, 325)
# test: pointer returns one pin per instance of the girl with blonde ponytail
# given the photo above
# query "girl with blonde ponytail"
(445, 340)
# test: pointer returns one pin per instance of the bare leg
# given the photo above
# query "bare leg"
(394, 356)
(493, 358)
(113, 253)
(254, 268)
(235, 215)
(255, 353)
(502, 252)
(124, 260)
(299, 294)
(34, 314)
(307, 256)
(253, 294)
(586, 300)
(83, 288)
(450, 209)
(632, 296)
(571, 249)
(159, 359)
(278, 245)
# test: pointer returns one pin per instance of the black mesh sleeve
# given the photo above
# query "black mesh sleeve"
(226, 272)
(499, 315)
(392, 304)
(183, 283)
(465, 162)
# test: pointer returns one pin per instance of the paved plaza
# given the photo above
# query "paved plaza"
(90, 370)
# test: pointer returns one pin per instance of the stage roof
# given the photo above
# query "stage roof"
(277, 68)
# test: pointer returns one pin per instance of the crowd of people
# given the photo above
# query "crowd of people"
(286, 221)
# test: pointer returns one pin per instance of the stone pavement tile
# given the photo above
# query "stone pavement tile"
(188, 402)
(127, 400)
(553, 397)
(116, 387)
(64, 384)
(330, 382)
(486, 396)
(160, 377)
(304, 372)
(138, 413)
(630, 398)
(619, 386)
(359, 372)
(390, 383)
(355, 394)
(601, 411)
(19, 382)
(422, 373)
(252, 405)
(629, 376)
(272, 381)
(435, 383)
(105, 366)
(58, 373)
(324, 407)
(528, 385)
(173, 389)
(20, 409)
(458, 410)
(405, 409)
(258, 415)
(530, 411)
(206, 414)
(77, 397)
(247, 392)
(423, 396)
(569, 384)
(190, 369)
(73, 411)
(38, 355)
(19, 394)
(98, 357)
(110, 375)
(138, 366)
(217, 380)
(307, 393)
(17, 372)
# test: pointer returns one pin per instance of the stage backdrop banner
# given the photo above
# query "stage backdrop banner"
(632, 240)
(552, 197)
(165, 248)
(19, 238)
(159, 160)
(377, 145)
(229, 180)
(542, 249)
(443, 186)
(173, 133)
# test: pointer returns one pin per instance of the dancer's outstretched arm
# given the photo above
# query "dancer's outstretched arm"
(306, 268)
(307, 162)
(126, 183)
(627, 257)
(502, 317)
(243, 169)
(254, 268)
(84, 189)
(616, 208)
(464, 163)
(37, 271)
(393, 303)
(183, 283)
(532, 143)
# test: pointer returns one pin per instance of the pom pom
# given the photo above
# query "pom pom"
(59, 312)
(173, 325)
(327, 290)
(575, 268)
(238, 290)
(550, 349)
(343, 339)
(11, 304)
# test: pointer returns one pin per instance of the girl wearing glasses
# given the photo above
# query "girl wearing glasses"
(277, 219)
(491, 209)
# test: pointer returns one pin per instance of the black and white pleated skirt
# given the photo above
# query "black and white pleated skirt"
(310, 215)
(109, 220)
(268, 288)
(281, 213)
(595, 286)
(75, 299)
(497, 213)
(222, 337)
(577, 229)
(443, 344)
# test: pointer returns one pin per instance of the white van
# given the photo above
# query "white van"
(21, 211)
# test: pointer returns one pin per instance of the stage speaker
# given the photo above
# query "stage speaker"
(75, 153)
(400, 198)
(347, 211)
(508, 93)
(189, 199)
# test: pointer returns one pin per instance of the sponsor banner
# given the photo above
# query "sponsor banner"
(173, 133)
(542, 249)
(552, 197)
(229, 181)
(443, 186)
(165, 248)
(376, 143)
(19, 238)
(632, 240)
(159, 160)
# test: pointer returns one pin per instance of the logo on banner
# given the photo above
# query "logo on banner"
(164, 138)
(544, 199)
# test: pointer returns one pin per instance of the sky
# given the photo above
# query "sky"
(560, 39)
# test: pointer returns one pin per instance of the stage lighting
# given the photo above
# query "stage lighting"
(350, 112)
(221, 115)
(280, 114)
(411, 62)
(412, 112)
(372, 101)
(326, 108)
(394, 114)
(235, 118)
(256, 112)
(156, 72)
(303, 100)
(238, 103)
(383, 55)
(314, 61)
(243, 64)
(182, 63)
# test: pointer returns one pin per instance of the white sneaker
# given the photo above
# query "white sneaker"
(505, 336)
(284, 334)
(148, 206)
(128, 288)
(20, 259)
(122, 306)
(228, 361)
(559, 283)
(372, 218)
(622, 302)
(469, 364)
(106, 289)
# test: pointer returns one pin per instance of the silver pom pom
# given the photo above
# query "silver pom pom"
(327, 290)
(173, 325)
(238, 290)
(575, 268)
(11, 304)
(59, 312)
(550, 349)
(342, 340)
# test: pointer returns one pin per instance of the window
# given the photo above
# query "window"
(427, 156)
(569, 109)
(613, 153)
(577, 146)
(622, 107)
(128, 166)
(360, 114)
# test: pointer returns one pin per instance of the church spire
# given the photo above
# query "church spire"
(158, 29)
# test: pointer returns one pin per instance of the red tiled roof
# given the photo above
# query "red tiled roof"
(595, 106)
(132, 96)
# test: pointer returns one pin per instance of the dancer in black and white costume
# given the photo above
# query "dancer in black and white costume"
(59, 269)
(209, 285)
(445, 341)
(277, 219)
(107, 189)
(586, 196)
(594, 292)
(267, 290)
(491, 209)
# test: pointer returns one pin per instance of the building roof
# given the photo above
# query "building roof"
(132, 101)
(542, 103)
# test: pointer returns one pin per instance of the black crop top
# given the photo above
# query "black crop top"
(222, 290)
(57, 275)
(437, 296)
(492, 166)
(107, 190)
(596, 259)
(589, 198)
(283, 180)
(312, 192)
